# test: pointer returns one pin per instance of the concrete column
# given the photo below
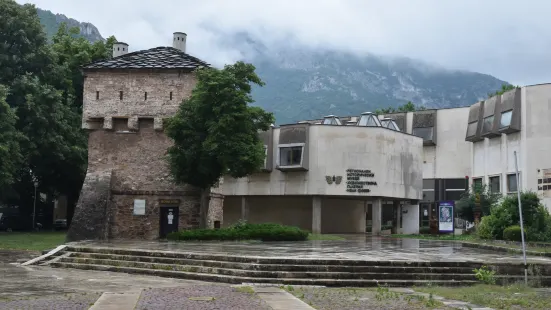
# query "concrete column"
(244, 209)
(316, 215)
(377, 215)
(411, 220)
(398, 210)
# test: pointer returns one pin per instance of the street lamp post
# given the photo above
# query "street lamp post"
(34, 206)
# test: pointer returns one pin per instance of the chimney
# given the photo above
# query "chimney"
(119, 49)
(179, 41)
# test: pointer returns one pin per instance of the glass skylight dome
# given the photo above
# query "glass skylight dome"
(389, 123)
(331, 120)
(368, 119)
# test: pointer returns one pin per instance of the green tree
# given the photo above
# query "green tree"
(504, 88)
(467, 204)
(10, 154)
(407, 107)
(45, 90)
(215, 131)
(23, 46)
(537, 221)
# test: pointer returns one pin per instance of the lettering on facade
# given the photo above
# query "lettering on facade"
(169, 201)
(356, 180)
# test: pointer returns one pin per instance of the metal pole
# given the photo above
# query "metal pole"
(34, 206)
(521, 222)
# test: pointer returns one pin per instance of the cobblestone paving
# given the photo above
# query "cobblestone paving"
(361, 298)
(210, 297)
(75, 301)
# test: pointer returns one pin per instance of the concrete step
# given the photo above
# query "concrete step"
(278, 281)
(273, 267)
(272, 274)
(284, 260)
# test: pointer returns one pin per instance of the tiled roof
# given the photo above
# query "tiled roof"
(154, 58)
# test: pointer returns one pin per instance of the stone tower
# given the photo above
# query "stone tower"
(128, 192)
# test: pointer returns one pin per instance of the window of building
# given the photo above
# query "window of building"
(170, 95)
(488, 124)
(369, 119)
(423, 132)
(495, 184)
(97, 95)
(477, 182)
(290, 155)
(120, 95)
(471, 129)
(512, 185)
(506, 118)
(145, 96)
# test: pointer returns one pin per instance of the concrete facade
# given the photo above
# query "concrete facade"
(342, 171)
(493, 158)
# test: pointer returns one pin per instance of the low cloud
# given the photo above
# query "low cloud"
(510, 40)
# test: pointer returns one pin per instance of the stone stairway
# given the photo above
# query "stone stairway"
(282, 271)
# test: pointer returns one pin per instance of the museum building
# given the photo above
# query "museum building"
(331, 175)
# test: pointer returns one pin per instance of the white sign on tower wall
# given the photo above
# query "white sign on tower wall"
(139, 207)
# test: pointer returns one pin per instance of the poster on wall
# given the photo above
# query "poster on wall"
(139, 207)
(445, 216)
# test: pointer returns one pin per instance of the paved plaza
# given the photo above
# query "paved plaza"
(356, 247)
(43, 287)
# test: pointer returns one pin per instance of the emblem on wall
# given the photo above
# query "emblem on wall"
(333, 179)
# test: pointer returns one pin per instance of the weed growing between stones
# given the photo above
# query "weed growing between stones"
(245, 289)
(384, 292)
(485, 275)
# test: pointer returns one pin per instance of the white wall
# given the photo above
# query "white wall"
(395, 158)
(451, 156)
(532, 144)
(536, 134)
(410, 220)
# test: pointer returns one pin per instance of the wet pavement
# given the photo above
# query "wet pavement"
(355, 248)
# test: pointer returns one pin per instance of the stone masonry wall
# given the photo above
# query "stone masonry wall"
(216, 211)
(126, 225)
(102, 93)
(126, 139)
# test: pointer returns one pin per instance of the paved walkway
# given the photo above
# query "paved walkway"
(359, 248)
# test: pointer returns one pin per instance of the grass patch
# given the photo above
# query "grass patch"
(325, 237)
(245, 289)
(244, 231)
(494, 296)
(31, 241)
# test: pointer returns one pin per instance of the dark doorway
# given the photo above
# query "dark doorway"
(168, 221)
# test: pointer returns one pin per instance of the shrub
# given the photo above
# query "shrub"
(244, 231)
(484, 229)
(513, 233)
(485, 275)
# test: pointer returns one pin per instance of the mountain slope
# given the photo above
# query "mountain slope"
(303, 83)
(51, 23)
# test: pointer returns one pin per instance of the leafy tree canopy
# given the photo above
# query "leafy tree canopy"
(481, 193)
(504, 88)
(10, 154)
(215, 131)
(408, 107)
(42, 85)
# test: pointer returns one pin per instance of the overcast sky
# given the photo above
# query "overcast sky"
(508, 39)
